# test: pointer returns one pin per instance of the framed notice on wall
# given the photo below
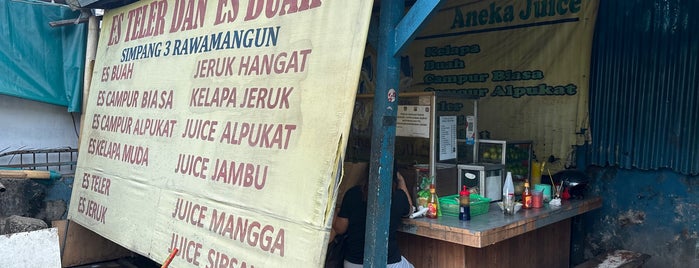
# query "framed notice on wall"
(447, 137)
(216, 128)
(413, 121)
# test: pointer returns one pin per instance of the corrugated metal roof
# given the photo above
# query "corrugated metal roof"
(644, 104)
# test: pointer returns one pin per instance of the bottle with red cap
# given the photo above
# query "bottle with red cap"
(432, 204)
(464, 204)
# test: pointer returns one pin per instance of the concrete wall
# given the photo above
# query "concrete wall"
(30, 124)
(653, 212)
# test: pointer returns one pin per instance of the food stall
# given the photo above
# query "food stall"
(435, 131)
(537, 237)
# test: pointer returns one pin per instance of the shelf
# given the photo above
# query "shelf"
(515, 155)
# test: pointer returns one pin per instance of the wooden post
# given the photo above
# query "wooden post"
(394, 34)
(383, 137)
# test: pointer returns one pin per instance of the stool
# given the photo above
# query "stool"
(616, 259)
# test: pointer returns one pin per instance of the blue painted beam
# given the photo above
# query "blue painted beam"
(383, 137)
(413, 21)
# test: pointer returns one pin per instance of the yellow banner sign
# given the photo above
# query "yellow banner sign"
(528, 60)
(216, 127)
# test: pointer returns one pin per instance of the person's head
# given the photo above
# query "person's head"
(365, 188)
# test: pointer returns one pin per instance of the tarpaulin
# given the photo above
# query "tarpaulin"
(216, 128)
(39, 62)
(528, 61)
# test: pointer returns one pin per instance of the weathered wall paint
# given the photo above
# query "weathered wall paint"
(30, 124)
(653, 212)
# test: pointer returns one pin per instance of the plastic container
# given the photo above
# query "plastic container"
(546, 189)
(450, 205)
(537, 199)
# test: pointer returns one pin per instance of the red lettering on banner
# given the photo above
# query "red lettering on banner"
(144, 22)
(220, 97)
(240, 174)
(273, 7)
(115, 31)
(86, 181)
(200, 129)
(189, 212)
(266, 98)
(157, 99)
(92, 210)
(123, 98)
(230, 14)
(135, 155)
(122, 71)
(219, 259)
(188, 15)
(250, 232)
(132, 154)
(192, 165)
(154, 127)
(100, 184)
(112, 123)
(258, 135)
(104, 148)
(214, 67)
(188, 250)
(279, 63)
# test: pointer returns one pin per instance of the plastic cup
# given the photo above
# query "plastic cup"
(537, 199)
(509, 205)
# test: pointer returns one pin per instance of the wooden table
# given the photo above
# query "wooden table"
(537, 237)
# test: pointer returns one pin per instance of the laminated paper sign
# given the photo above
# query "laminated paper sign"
(216, 127)
(413, 121)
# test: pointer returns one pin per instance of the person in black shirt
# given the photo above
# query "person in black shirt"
(352, 219)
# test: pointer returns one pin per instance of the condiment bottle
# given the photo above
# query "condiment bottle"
(566, 194)
(432, 203)
(526, 196)
(464, 204)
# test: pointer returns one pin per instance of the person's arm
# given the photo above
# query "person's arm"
(400, 184)
(339, 227)
(341, 220)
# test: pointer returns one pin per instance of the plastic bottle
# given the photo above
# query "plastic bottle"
(464, 204)
(508, 195)
(508, 187)
(432, 204)
(526, 196)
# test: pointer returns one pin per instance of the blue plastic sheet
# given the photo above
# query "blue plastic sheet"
(38, 62)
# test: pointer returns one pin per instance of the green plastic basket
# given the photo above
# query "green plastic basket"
(450, 205)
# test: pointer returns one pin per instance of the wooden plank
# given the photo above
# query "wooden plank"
(543, 247)
(47, 164)
(426, 252)
(24, 174)
(81, 246)
(493, 227)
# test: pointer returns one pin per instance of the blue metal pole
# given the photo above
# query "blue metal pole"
(383, 137)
